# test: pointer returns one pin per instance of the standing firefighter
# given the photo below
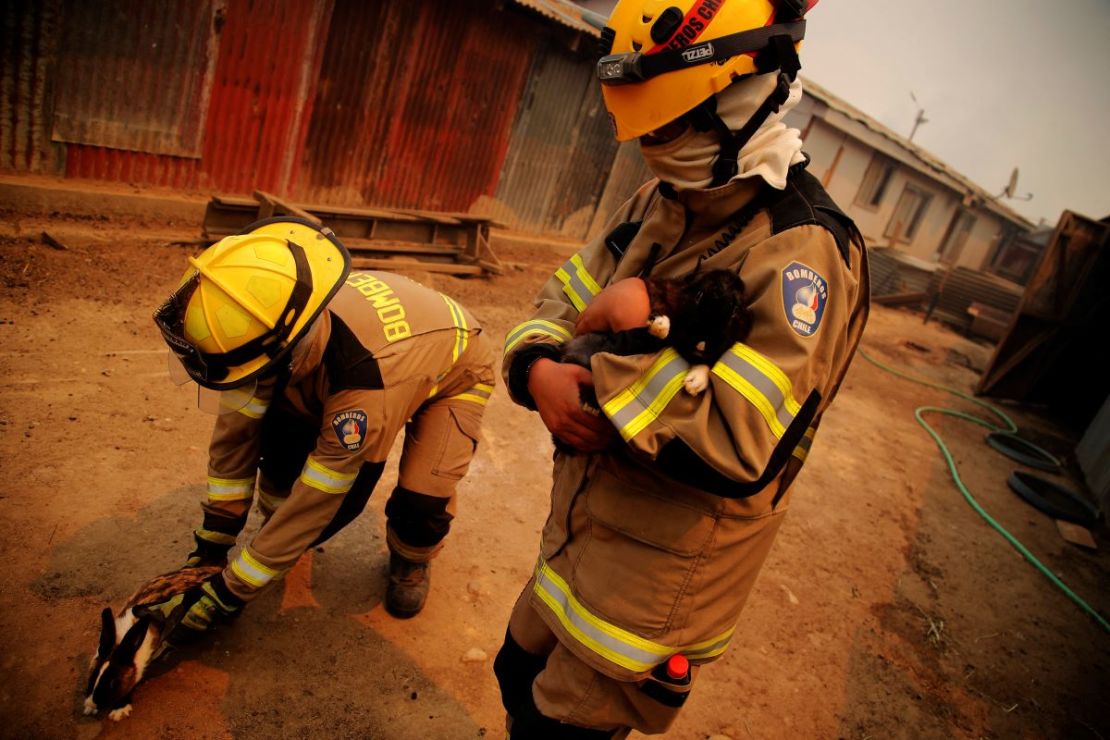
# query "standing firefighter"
(655, 538)
(313, 372)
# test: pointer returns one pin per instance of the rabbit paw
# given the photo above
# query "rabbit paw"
(659, 326)
(90, 705)
(696, 380)
(117, 714)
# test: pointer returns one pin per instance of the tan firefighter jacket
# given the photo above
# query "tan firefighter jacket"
(384, 346)
(651, 549)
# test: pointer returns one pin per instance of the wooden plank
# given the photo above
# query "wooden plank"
(235, 201)
(274, 202)
(364, 263)
(365, 214)
(373, 245)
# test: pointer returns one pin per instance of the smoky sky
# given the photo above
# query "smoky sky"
(1022, 83)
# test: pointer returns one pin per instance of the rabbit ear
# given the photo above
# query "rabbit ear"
(130, 643)
(107, 634)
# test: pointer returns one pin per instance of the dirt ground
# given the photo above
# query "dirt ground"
(887, 607)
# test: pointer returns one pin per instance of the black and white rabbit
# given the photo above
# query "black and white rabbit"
(701, 315)
(130, 641)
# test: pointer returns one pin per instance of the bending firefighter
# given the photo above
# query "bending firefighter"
(313, 372)
(660, 525)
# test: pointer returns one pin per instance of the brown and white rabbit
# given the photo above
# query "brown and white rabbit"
(130, 641)
(701, 315)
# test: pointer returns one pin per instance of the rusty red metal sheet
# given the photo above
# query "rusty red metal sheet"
(261, 93)
(415, 103)
(345, 102)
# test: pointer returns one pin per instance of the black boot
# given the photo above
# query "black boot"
(408, 587)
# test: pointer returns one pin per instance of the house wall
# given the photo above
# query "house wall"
(981, 242)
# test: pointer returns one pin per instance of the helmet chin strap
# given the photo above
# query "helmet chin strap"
(779, 54)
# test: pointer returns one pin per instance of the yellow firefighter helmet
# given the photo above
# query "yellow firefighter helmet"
(662, 58)
(248, 299)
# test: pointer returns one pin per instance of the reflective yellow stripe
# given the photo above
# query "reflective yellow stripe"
(247, 568)
(477, 394)
(218, 538)
(268, 501)
(535, 326)
(762, 383)
(637, 406)
(462, 333)
(254, 409)
(801, 451)
(617, 645)
(244, 403)
(230, 489)
(323, 478)
(578, 285)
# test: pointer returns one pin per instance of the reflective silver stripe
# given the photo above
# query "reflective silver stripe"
(710, 650)
(251, 571)
(634, 408)
(762, 383)
(323, 478)
(269, 501)
(230, 489)
(535, 326)
(255, 409)
(801, 451)
(617, 645)
(246, 404)
(578, 284)
(479, 394)
(609, 641)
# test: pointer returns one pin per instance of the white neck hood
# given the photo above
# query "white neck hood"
(687, 162)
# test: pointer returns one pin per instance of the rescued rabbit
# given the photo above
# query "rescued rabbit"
(130, 641)
(701, 315)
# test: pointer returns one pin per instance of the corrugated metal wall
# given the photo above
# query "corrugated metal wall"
(143, 88)
(347, 102)
(415, 103)
(627, 173)
(561, 148)
(28, 36)
(254, 129)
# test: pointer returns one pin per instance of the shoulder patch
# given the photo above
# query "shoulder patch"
(804, 295)
(350, 428)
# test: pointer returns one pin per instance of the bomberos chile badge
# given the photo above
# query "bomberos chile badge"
(804, 295)
(350, 428)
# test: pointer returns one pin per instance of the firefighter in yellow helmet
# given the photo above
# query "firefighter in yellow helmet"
(314, 370)
(660, 524)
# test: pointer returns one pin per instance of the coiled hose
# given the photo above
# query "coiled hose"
(1011, 428)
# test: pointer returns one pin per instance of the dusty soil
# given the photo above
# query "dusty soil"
(887, 608)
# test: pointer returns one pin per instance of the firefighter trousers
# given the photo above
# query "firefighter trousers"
(549, 693)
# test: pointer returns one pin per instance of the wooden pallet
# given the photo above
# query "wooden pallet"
(454, 243)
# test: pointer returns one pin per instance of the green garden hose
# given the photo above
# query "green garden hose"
(1010, 427)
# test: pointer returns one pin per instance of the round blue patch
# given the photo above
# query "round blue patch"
(804, 295)
(350, 428)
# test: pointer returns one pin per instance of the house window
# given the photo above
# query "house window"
(908, 214)
(875, 182)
